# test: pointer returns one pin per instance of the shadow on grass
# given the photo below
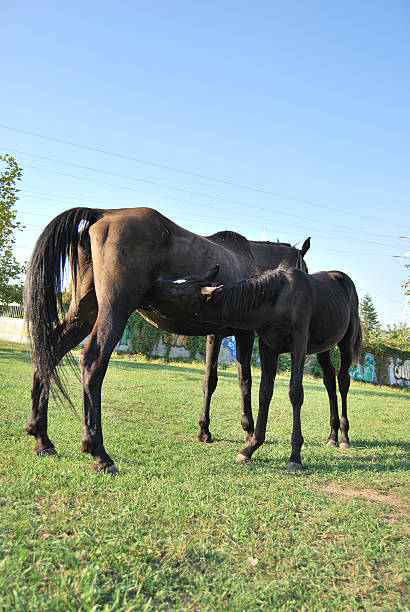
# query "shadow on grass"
(21, 354)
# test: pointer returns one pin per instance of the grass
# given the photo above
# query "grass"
(184, 527)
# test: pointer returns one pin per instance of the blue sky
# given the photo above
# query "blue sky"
(290, 115)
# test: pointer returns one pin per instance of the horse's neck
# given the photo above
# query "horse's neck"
(269, 256)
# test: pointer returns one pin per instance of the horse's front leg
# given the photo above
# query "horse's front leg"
(269, 363)
(296, 398)
(213, 346)
(244, 346)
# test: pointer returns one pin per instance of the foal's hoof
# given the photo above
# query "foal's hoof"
(331, 442)
(344, 445)
(242, 458)
(42, 452)
(293, 466)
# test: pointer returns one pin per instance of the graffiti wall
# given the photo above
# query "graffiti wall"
(399, 371)
(365, 371)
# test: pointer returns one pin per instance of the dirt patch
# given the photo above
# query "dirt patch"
(370, 494)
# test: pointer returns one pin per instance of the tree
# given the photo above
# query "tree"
(11, 286)
(369, 318)
(397, 336)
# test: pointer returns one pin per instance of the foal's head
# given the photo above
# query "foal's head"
(184, 296)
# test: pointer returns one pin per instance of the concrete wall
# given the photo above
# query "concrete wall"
(12, 329)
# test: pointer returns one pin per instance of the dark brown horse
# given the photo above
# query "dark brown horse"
(292, 312)
(115, 257)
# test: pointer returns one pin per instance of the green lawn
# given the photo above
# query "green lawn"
(185, 527)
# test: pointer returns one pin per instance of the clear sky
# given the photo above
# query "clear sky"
(292, 116)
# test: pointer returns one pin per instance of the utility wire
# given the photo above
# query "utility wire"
(207, 206)
(198, 175)
(201, 194)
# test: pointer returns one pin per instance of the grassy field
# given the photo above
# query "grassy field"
(183, 526)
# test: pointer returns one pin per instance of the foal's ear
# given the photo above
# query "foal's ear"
(305, 247)
(208, 291)
(212, 274)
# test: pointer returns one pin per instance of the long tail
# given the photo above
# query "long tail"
(42, 291)
(357, 344)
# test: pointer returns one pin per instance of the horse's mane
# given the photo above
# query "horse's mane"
(245, 295)
(269, 243)
(230, 239)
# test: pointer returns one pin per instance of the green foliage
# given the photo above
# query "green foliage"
(143, 335)
(369, 318)
(11, 287)
(396, 336)
(284, 363)
(196, 345)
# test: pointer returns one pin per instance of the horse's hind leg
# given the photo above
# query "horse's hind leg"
(329, 380)
(346, 355)
(213, 345)
(244, 346)
(109, 326)
(68, 335)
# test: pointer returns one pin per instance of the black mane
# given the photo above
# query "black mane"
(233, 240)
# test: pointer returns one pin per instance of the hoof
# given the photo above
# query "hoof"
(344, 445)
(249, 437)
(331, 442)
(111, 469)
(204, 436)
(42, 452)
(242, 458)
(108, 469)
(293, 466)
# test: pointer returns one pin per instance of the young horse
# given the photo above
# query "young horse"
(291, 311)
(115, 257)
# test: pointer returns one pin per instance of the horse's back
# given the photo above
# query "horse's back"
(334, 300)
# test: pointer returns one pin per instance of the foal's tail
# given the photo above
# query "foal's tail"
(357, 344)
(43, 287)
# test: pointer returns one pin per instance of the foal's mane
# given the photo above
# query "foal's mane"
(245, 295)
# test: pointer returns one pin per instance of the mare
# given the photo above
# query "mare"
(292, 312)
(115, 256)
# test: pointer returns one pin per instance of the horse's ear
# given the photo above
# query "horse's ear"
(211, 274)
(208, 291)
(305, 247)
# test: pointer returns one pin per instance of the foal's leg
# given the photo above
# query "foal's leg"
(213, 345)
(269, 362)
(68, 335)
(244, 346)
(346, 355)
(296, 398)
(94, 360)
(329, 380)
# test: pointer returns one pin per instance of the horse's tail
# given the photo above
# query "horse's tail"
(43, 287)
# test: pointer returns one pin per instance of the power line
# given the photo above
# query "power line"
(198, 175)
(207, 206)
(201, 194)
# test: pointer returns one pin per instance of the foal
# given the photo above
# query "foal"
(292, 312)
